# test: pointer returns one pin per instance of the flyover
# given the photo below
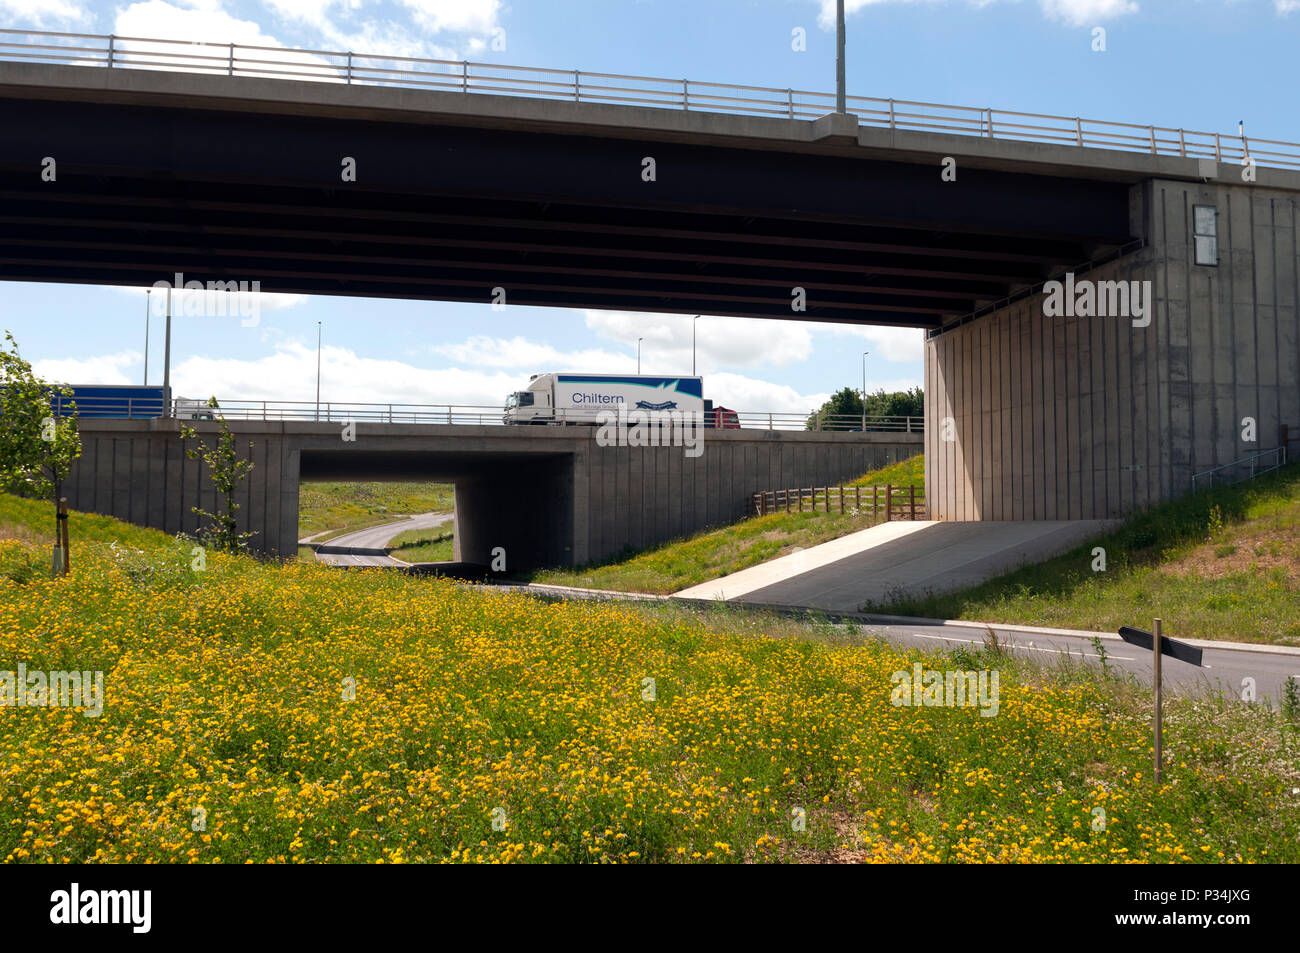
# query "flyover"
(545, 495)
(464, 188)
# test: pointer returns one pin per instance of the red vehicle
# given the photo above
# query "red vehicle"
(724, 419)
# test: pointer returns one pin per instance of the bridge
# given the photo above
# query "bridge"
(545, 495)
(579, 190)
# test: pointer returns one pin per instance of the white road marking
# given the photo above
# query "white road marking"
(1017, 645)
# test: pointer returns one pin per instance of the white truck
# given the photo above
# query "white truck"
(579, 398)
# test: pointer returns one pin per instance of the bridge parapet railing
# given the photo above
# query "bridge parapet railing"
(465, 414)
(468, 77)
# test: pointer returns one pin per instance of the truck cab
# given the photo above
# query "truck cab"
(533, 405)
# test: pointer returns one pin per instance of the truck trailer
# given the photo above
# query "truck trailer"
(580, 398)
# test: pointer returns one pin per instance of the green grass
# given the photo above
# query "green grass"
(711, 554)
(320, 716)
(909, 472)
(1223, 564)
(433, 545)
(346, 507)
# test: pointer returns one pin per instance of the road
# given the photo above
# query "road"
(1226, 664)
(365, 547)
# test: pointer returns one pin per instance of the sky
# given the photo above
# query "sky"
(1196, 64)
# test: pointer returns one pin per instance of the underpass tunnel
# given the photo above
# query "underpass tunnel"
(516, 506)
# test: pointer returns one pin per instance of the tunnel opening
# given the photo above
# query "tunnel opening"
(512, 511)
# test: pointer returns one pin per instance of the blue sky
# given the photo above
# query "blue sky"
(1199, 64)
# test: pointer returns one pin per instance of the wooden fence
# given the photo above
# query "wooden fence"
(896, 502)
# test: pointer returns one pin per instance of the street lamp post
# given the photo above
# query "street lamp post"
(638, 354)
(864, 390)
(147, 303)
(167, 356)
(318, 332)
(839, 58)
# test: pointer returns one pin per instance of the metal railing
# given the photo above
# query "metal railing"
(464, 76)
(303, 411)
(1245, 468)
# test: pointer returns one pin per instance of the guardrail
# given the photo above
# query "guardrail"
(896, 502)
(474, 414)
(1247, 467)
(467, 77)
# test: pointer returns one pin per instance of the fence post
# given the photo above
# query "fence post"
(464, 76)
(787, 499)
(889, 502)
(857, 498)
(349, 67)
(1078, 129)
(990, 112)
(892, 118)
(841, 499)
(111, 40)
(577, 87)
(230, 68)
(911, 499)
(686, 94)
(1153, 139)
(789, 93)
(1218, 148)
(1182, 143)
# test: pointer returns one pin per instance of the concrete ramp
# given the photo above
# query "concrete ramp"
(899, 558)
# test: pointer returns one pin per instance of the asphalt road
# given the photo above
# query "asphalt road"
(1224, 669)
(1225, 664)
(365, 547)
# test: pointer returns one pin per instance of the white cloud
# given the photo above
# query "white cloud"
(341, 25)
(533, 357)
(1073, 12)
(1087, 12)
(720, 342)
(199, 21)
(42, 13)
(896, 345)
(1285, 7)
(289, 374)
(105, 369)
(456, 16)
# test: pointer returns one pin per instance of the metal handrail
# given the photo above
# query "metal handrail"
(372, 69)
(306, 411)
(1279, 460)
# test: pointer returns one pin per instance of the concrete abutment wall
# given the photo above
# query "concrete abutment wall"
(1092, 417)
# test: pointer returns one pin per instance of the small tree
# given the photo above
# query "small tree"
(37, 446)
(227, 469)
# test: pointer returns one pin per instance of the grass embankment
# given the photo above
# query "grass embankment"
(434, 545)
(347, 507)
(714, 553)
(1223, 564)
(909, 472)
(227, 690)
